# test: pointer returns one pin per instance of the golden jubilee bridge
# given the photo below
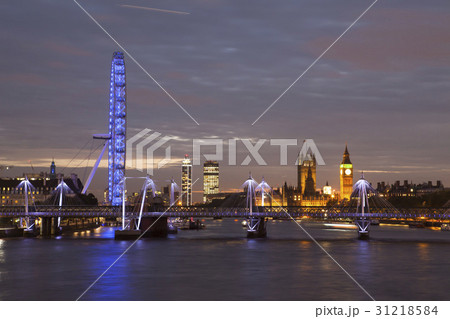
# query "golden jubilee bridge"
(156, 222)
(364, 209)
(316, 212)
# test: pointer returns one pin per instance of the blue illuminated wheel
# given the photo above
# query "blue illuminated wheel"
(117, 129)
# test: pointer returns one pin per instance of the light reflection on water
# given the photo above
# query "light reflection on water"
(219, 263)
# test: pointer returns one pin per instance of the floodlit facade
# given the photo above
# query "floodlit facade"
(346, 176)
(186, 181)
(43, 186)
(306, 165)
(327, 189)
(210, 180)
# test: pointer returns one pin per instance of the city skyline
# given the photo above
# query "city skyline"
(212, 150)
(344, 98)
(197, 196)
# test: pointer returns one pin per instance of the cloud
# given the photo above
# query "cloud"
(153, 9)
(155, 98)
(392, 39)
(66, 49)
(226, 63)
(24, 79)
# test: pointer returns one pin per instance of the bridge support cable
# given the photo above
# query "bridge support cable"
(88, 160)
(27, 187)
(147, 183)
(132, 221)
(76, 155)
(256, 226)
(362, 190)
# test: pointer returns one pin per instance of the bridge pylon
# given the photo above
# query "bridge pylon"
(361, 190)
(129, 222)
(134, 225)
(256, 225)
(363, 227)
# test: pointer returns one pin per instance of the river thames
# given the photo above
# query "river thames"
(220, 263)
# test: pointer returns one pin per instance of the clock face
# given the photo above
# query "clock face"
(348, 171)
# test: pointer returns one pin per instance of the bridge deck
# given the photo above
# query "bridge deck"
(230, 212)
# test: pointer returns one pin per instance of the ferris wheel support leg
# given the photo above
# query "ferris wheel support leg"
(94, 169)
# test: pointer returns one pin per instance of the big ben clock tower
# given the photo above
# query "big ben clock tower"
(346, 176)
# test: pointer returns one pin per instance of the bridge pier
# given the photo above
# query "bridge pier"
(45, 230)
(363, 228)
(31, 232)
(159, 227)
(127, 234)
(256, 227)
(49, 227)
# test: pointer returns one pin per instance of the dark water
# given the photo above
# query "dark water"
(219, 263)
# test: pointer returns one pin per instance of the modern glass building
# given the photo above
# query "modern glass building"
(210, 179)
(186, 181)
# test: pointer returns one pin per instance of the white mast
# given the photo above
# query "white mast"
(263, 186)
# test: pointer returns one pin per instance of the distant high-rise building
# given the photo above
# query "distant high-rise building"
(210, 179)
(305, 163)
(346, 176)
(186, 181)
(53, 170)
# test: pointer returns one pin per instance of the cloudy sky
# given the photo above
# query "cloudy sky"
(383, 88)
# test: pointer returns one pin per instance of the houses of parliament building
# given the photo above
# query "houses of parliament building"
(306, 194)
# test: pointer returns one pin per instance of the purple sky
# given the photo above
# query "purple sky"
(384, 88)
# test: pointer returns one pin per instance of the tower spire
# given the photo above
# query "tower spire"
(53, 169)
(346, 156)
